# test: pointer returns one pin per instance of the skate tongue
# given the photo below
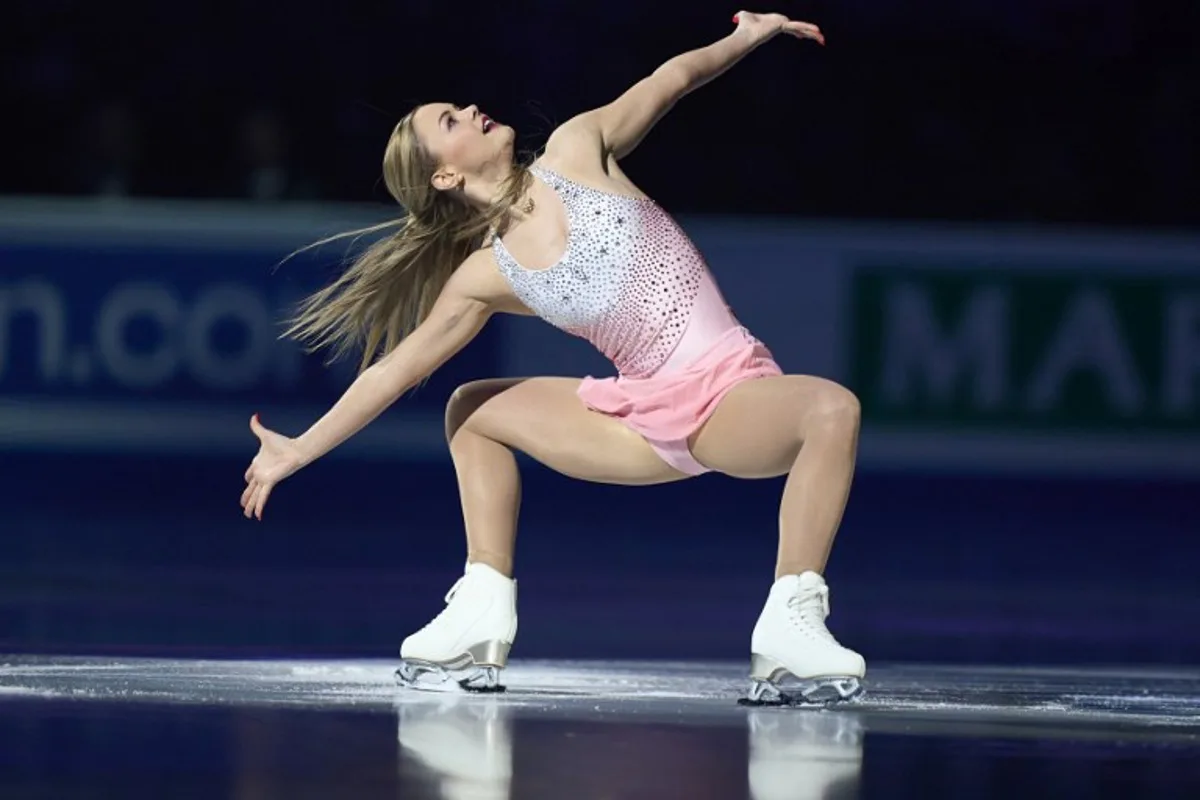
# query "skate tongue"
(810, 580)
(475, 573)
(804, 582)
(478, 571)
(803, 591)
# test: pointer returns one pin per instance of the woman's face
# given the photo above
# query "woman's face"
(463, 141)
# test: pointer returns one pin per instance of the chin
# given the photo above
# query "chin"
(505, 137)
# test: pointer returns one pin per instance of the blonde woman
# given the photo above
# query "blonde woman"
(571, 239)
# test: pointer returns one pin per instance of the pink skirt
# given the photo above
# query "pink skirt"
(669, 406)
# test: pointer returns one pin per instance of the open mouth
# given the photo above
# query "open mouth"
(488, 123)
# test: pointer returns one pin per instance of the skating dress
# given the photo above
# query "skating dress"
(632, 284)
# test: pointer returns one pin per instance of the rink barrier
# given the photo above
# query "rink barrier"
(982, 348)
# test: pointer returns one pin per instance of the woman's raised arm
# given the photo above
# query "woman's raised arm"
(623, 123)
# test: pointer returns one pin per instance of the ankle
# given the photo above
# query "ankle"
(500, 563)
(797, 569)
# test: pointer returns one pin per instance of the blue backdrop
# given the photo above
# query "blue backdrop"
(131, 362)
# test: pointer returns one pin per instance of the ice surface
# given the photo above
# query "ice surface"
(459, 746)
(1152, 700)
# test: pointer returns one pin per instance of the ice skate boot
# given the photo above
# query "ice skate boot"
(804, 754)
(790, 642)
(467, 644)
(466, 743)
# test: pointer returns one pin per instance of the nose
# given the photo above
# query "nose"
(473, 110)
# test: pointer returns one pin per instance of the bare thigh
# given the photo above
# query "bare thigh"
(546, 420)
(758, 427)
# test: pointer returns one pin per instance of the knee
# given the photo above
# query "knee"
(835, 409)
(464, 401)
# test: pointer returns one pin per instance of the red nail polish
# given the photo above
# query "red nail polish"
(735, 19)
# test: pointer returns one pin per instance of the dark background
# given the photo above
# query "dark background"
(1052, 113)
(1038, 110)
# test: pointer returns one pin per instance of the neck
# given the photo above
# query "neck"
(485, 190)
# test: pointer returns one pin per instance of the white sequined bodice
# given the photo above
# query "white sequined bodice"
(627, 281)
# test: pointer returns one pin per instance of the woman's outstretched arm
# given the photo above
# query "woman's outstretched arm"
(461, 311)
(623, 123)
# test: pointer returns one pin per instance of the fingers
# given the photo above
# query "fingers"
(251, 496)
(254, 499)
(801, 30)
(805, 30)
(255, 495)
(263, 494)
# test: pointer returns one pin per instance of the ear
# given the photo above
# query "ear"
(445, 180)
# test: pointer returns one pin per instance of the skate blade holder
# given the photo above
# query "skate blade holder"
(771, 684)
(432, 677)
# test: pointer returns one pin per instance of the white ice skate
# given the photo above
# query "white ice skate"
(467, 644)
(791, 643)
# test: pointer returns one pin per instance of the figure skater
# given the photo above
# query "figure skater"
(571, 239)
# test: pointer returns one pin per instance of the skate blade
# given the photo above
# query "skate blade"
(817, 693)
(426, 676)
(767, 687)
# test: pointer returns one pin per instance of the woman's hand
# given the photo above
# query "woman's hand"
(278, 457)
(766, 26)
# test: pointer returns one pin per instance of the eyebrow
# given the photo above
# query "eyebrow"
(442, 117)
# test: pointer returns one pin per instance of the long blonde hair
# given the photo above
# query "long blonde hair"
(390, 288)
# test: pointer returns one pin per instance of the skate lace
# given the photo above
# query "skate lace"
(449, 596)
(809, 609)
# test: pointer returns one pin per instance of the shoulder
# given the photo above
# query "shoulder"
(479, 280)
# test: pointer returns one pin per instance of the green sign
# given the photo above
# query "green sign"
(1027, 350)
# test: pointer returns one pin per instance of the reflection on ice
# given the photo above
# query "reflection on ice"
(464, 746)
(804, 754)
(464, 743)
